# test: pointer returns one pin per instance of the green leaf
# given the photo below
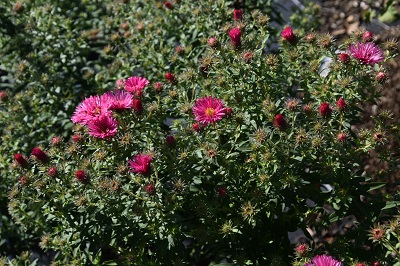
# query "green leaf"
(375, 185)
(391, 204)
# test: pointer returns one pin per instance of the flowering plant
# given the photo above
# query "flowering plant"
(216, 164)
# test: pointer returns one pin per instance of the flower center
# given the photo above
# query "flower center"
(210, 111)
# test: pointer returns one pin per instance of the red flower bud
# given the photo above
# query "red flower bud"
(23, 180)
(342, 137)
(56, 141)
(196, 127)
(3, 96)
(21, 160)
(237, 14)
(235, 34)
(221, 191)
(288, 35)
(158, 87)
(170, 77)
(52, 171)
(228, 112)
(77, 138)
(151, 189)
(137, 106)
(41, 155)
(280, 121)
(81, 176)
(325, 110)
(344, 58)
(168, 5)
(170, 141)
(368, 36)
(341, 104)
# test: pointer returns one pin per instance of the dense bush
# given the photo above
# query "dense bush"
(54, 54)
(216, 156)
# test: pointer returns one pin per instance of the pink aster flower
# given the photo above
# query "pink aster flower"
(136, 85)
(323, 260)
(105, 127)
(141, 164)
(120, 100)
(91, 108)
(208, 110)
(367, 53)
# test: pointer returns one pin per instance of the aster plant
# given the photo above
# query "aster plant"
(217, 162)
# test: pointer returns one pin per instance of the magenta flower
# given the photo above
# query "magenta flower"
(235, 34)
(323, 260)
(91, 108)
(120, 100)
(40, 155)
(288, 35)
(208, 110)
(367, 53)
(136, 85)
(104, 127)
(141, 164)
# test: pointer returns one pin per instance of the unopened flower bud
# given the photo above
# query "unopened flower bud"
(77, 138)
(137, 106)
(81, 176)
(367, 36)
(170, 141)
(20, 160)
(213, 42)
(325, 110)
(170, 77)
(23, 180)
(158, 87)
(235, 34)
(168, 5)
(237, 14)
(342, 137)
(52, 171)
(150, 189)
(381, 77)
(3, 96)
(280, 121)
(288, 35)
(341, 104)
(221, 191)
(196, 127)
(40, 155)
(344, 57)
(56, 141)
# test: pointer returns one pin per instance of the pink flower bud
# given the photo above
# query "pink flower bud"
(381, 77)
(367, 36)
(342, 137)
(288, 35)
(235, 34)
(213, 42)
